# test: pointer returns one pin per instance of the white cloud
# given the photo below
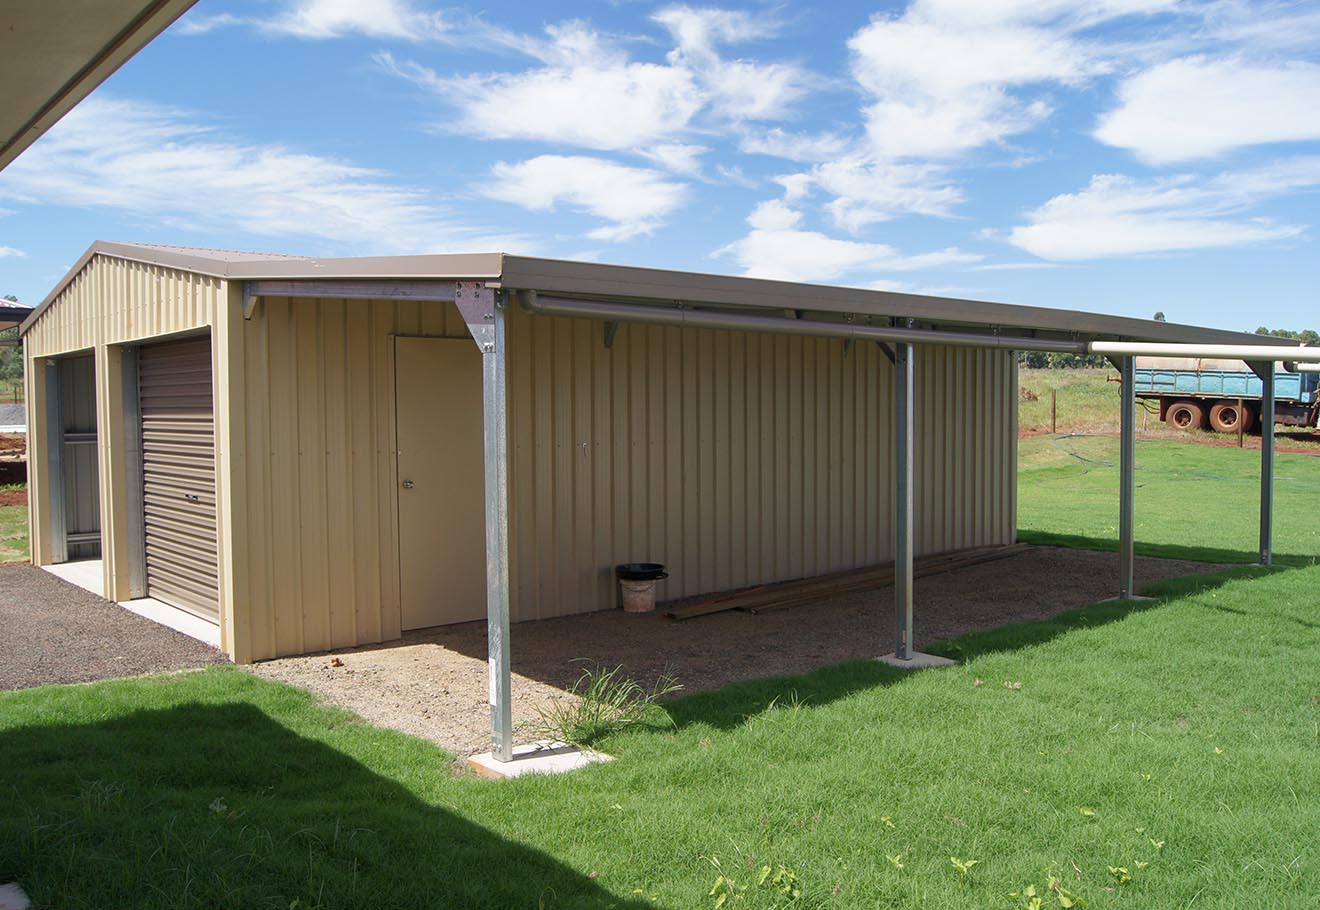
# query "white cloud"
(1122, 216)
(162, 164)
(779, 143)
(677, 157)
(941, 79)
(738, 89)
(1199, 107)
(588, 92)
(588, 105)
(320, 19)
(778, 247)
(868, 191)
(8, 252)
(634, 200)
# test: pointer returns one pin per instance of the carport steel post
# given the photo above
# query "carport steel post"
(483, 311)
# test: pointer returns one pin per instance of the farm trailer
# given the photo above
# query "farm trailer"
(1223, 394)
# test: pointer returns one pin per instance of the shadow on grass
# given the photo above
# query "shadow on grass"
(1158, 550)
(731, 706)
(221, 806)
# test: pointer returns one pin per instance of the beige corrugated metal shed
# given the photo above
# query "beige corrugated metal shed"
(295, 449)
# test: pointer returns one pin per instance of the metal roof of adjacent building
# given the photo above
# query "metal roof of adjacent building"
(12, 314)
(659, 287)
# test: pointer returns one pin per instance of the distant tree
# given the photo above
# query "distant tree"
(11, 298)
(1159, 316)
(1306, 336)
(1040, 360)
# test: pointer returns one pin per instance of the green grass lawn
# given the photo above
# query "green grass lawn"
(13, 531)
(1176, 740)
(1192, 502)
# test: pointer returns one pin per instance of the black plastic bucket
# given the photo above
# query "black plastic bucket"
(640, 571)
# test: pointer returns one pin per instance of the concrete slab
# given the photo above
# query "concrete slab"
(537, 758)
(85, 573)
(173, 618)
(919, 661)
(12, 897)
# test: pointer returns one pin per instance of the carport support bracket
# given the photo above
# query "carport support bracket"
(1265, 371)
(483, 310)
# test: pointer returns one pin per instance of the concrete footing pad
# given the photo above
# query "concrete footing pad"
(919, 661)
(536, 758)
(12, 897)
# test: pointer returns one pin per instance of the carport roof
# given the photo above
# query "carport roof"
(659, 287)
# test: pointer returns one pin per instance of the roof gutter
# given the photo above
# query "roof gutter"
(707, 319)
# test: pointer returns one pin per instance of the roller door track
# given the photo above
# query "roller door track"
(178, 475)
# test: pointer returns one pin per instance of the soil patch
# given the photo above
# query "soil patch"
(433, 683)
(13, 497)
(55, 632)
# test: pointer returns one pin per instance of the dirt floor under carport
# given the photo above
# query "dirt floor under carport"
(433, 683)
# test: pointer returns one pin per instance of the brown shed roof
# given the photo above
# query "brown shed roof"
(661, 287)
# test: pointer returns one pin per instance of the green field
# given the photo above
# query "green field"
(1161, 754)
(1192, 501)
(13, 531)
(1158, 755)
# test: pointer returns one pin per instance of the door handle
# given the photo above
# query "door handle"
(408, 484)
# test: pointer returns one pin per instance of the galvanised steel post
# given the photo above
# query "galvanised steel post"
(1126, 480)
(1267, 465)
(494, 396)
(903, 425)
(483, 309)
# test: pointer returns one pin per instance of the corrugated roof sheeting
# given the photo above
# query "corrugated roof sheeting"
(661, 286)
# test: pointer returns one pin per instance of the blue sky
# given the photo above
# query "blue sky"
(1124, 156)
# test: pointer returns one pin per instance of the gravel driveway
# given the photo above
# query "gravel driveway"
(55, 632)
(433, 683)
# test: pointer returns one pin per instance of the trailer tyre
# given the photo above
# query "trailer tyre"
(1226, 415)
(1185, 415)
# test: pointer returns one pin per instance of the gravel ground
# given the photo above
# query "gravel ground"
(55, 632)
(433, 683)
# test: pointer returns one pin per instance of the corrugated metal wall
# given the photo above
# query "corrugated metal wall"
(319, 555)
(737, 459)
(110, 302)
(732, 458)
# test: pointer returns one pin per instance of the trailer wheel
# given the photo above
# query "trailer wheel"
(1185, 415)
(1226, 415)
